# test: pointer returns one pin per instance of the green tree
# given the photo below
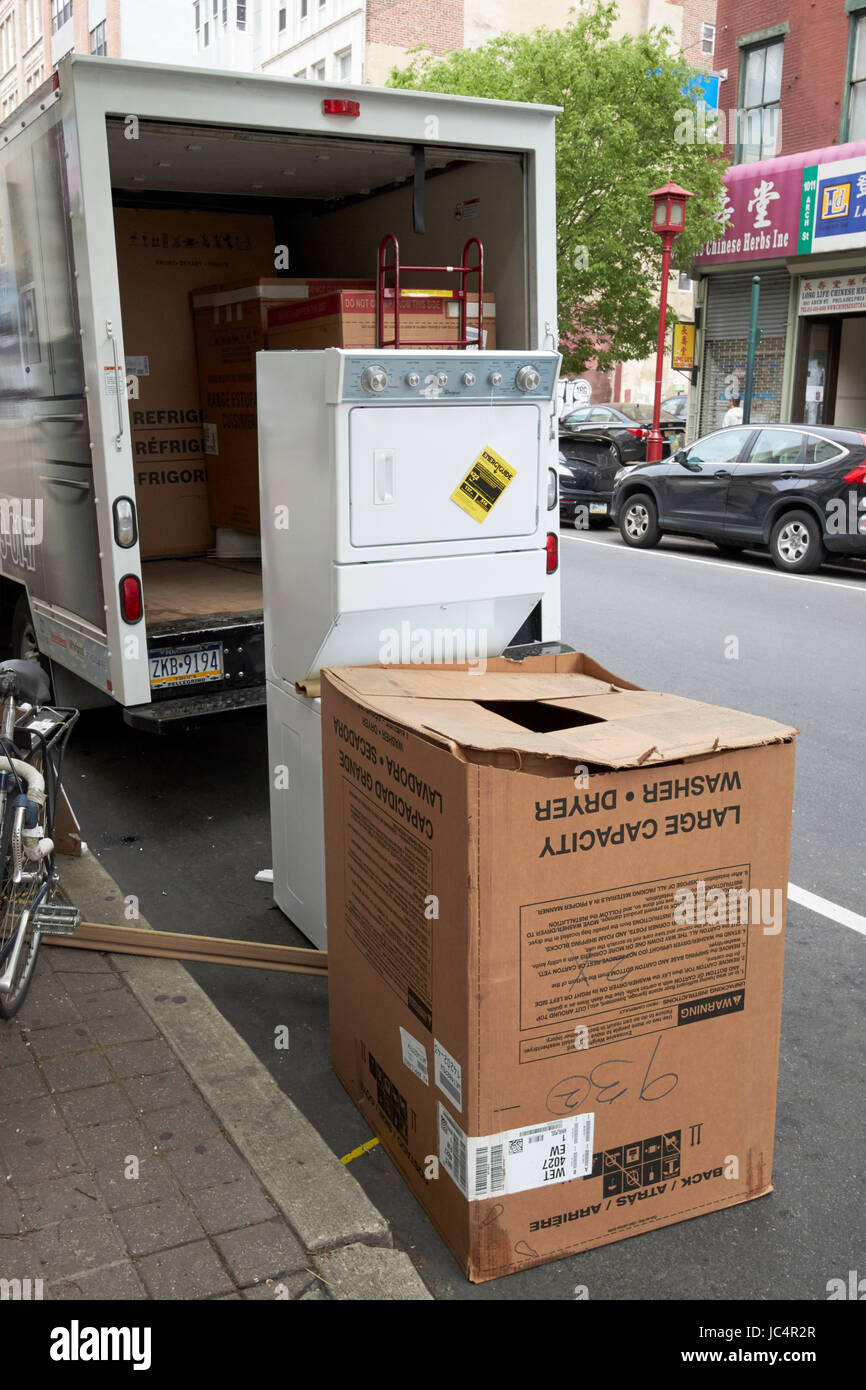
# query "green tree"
(625, 129)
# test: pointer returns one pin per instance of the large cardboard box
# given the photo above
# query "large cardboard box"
(230, 328)
(555, 910)
(161, 256)
(347, 318)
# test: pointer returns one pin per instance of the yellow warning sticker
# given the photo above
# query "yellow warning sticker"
(484, 484)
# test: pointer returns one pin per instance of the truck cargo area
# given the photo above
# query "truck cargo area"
(196, 206)
(200, 587)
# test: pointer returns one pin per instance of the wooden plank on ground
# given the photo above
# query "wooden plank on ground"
(144, 941)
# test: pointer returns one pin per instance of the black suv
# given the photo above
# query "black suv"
(799, 490)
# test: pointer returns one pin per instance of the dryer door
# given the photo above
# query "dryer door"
(406, 463)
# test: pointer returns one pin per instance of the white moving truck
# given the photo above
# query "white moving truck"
(102, 570)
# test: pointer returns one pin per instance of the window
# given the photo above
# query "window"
(303, 9)
(684, 281)
(32, 22)
(776, 449)
(821, 450)
(321, 4)
(759, 114)
(344, 65)
(98, 44)
(576, 417)
(61, 13)
(281, 23)
(856, 124)
(708, 39)
(317, 71)
(225, 14)
(7, 43)
(720, 448)
(242, 14)
(196, 15)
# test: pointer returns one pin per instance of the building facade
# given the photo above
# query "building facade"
(794, 214)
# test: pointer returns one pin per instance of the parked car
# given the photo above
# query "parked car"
(586, 486)
(795, 489)
(677, 407)
(623, 423)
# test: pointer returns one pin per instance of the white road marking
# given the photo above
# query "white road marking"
(843, 915)
(720, 564)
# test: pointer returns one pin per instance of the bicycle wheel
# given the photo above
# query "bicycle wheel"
(18, 903)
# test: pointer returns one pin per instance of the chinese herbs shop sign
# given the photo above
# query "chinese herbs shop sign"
(792, 206)
(834, 295)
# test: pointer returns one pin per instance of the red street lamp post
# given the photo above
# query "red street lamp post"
(669, 218)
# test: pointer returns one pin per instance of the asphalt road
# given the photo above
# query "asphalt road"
(183, 824)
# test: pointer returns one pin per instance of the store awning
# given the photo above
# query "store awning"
(795, 205)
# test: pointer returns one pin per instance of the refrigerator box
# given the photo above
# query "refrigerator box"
(163, 254)
(347, 318)
(230, 328)
(555, 907)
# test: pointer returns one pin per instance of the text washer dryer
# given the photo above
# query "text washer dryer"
(367, 557)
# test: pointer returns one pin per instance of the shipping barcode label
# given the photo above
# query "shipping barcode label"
(556, 1151)
(484, 484)
(138, 366)
(453, 1150)
(448, 1074)
(414, 1056)
(210, 438)
(518, 1160)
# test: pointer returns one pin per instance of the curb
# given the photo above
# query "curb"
(317, 1194)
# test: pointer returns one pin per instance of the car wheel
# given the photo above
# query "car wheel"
(24, 644)
(638, 521)
(796, 544)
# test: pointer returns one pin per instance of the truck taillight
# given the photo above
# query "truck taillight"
(125, 529)
(333, 106)
(857, 475)
(130, 598)
(552, 548)
(551, 489)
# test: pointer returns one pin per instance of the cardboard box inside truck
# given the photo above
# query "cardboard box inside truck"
(347, 318)
(163, 254)
(230, 328)
(555, 944)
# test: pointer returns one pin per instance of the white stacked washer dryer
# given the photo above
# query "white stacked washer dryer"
(366, 554)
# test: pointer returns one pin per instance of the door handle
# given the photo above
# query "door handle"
(790, 475)
(384, 476)
(118, 380)
(723, 473)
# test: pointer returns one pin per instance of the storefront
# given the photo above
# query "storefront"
(799, 223)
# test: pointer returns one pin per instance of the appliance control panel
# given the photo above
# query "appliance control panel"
(396, 377)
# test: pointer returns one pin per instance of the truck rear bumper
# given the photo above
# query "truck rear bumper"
(162, 715)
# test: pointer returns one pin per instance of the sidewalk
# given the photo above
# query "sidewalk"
(148, 1154)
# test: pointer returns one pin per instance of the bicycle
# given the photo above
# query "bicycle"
(33, 738)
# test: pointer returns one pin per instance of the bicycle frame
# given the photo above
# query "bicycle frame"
(10, 951)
